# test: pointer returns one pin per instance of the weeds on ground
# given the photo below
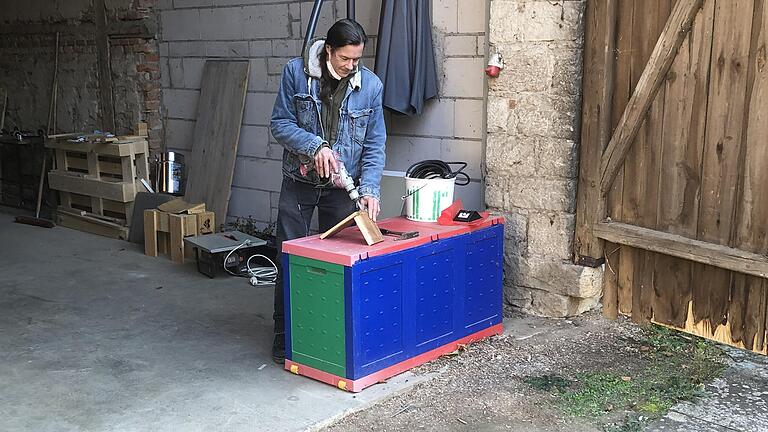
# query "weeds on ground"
(673, 367)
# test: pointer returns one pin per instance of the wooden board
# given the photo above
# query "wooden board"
(69, 182)
(597, 82)
(178, 206)
(116, 148)
(88, 223)
(217, 132)
(751, 206)
(624, 87)
(722, 146)
(711, 254)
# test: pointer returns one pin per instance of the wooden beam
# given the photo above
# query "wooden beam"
(677, 27)
(107, 104)
(596, 127)
(682, 247)
(70, 182)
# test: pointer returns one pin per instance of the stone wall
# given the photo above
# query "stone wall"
(269, 33)
(532, 153)
(27, 48)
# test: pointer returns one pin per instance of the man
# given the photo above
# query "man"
(328, 111)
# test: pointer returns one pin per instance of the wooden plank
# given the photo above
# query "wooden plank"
(68, 182)
(106, 101)
(716, 255)
(90, 224)
(677, 27)
(150, 233)
(722, 147)
(217, 132)
(641, 195)
(177, 232)
(111, 169)
(600, 37)
(682, 140)
(624, 86)
(748, 313)
(118, 149)
(107, 205)
(645, 32)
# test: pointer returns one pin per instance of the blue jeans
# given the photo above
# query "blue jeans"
(297, 205)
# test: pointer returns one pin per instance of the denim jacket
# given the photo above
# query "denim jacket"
(361, 137)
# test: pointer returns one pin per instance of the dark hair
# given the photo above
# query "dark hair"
(342, 33)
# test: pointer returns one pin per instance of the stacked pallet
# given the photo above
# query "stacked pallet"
(97, 177)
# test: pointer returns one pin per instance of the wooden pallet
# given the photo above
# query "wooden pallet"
(99, 176)
(166, 231)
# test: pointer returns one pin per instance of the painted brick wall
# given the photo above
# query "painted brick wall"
(269, 33)
(27, 48)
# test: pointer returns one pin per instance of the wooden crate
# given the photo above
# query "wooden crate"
(165, 232)
(97, 180)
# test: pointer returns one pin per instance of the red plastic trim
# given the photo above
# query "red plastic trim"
(376, 377)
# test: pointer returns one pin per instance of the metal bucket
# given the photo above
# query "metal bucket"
(172, 177)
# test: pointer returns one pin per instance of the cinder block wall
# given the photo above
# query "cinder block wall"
(27, 41)
(269, 33)
(532, 159)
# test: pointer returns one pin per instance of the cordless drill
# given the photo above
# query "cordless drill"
(342, 179)
(348, 184)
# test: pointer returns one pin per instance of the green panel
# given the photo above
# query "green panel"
(317, 314)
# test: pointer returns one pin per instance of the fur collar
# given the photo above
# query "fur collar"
(313, 69)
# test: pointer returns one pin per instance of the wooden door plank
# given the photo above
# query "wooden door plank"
(676, 28)
(217, 132)
(751, 209)
(723, 139)
(650, 160)
(648, 22)
(624, 85)
(600, 36)
(682, 142)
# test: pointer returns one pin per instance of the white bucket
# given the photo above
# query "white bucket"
(427, 198)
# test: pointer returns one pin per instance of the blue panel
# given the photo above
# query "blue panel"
(483, 286)
(378, 313)
(434, 289)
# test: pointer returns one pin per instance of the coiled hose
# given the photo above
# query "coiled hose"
(433, 168)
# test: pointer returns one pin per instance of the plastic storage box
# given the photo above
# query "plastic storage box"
(358, 314)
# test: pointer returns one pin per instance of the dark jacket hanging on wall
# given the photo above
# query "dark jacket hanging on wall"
(405, 59)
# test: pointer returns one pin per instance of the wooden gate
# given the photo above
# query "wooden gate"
(673, 187)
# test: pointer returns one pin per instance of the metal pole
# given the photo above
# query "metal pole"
(312, 25)
(351, 9)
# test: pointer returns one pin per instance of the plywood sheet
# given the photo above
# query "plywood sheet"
(217, 132)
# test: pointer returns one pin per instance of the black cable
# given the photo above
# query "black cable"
(434, 168)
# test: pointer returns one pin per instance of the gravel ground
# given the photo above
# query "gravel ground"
(482, 388)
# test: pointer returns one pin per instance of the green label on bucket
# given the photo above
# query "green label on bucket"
(435, 200)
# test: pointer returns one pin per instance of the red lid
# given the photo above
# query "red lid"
(348, 246)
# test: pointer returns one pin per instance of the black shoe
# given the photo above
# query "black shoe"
(278, 348)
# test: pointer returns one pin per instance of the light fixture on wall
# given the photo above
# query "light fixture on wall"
(495, 65)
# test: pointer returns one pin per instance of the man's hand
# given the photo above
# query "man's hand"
(325, 161)
(372, 204)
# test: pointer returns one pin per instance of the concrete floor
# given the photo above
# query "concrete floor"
(95, 336)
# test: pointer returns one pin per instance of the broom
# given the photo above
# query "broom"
(37, 220)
